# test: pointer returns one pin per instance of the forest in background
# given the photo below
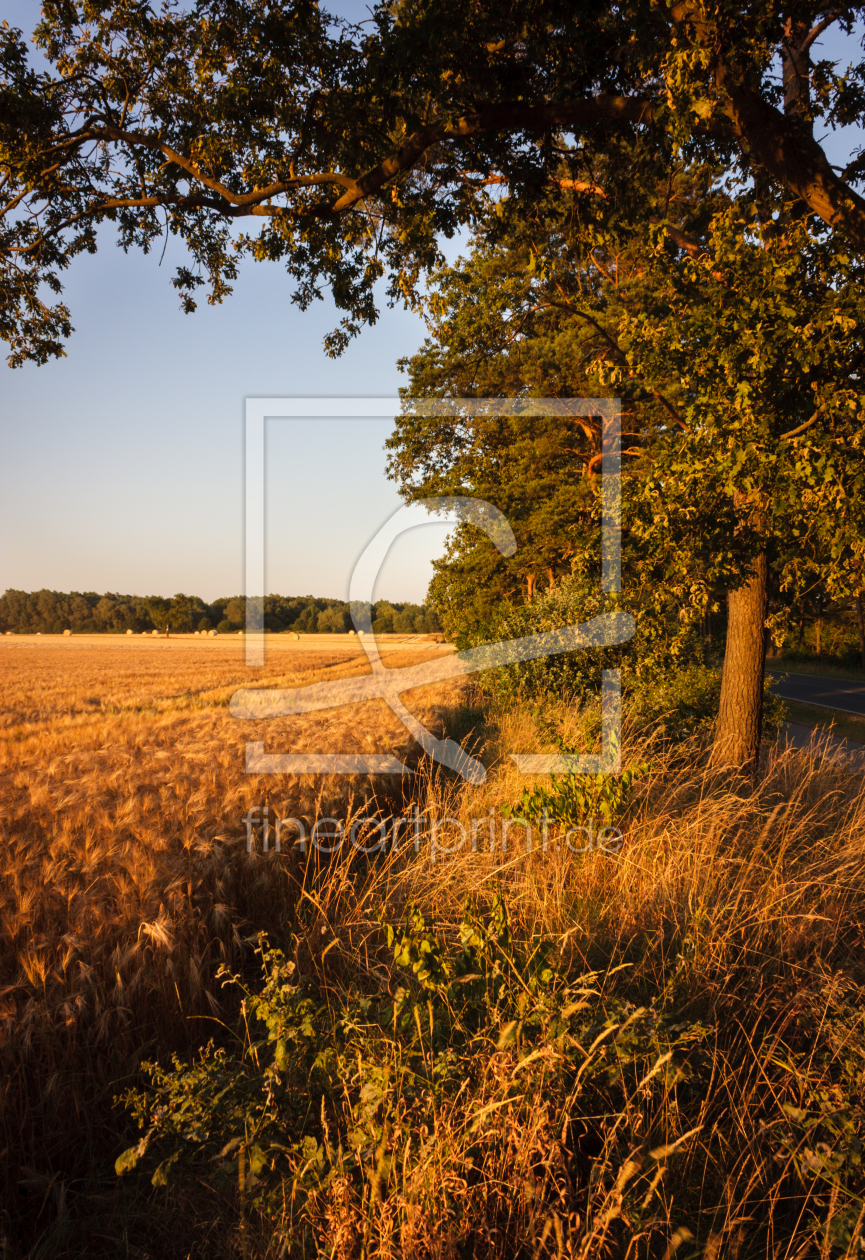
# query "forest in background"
(53, 612)
(821, 629)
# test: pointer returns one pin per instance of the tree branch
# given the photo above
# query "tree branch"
(781, 145)
(791, 433)
(508, 116)
(819, 29)
(110, 132)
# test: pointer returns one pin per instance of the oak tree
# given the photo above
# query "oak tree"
(740, 374)
(275, 131)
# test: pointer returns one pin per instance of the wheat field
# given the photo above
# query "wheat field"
(124, 877)
(734, 913)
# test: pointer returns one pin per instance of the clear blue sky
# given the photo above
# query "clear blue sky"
(121, 466)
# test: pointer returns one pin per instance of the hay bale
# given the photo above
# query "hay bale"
(68, 632)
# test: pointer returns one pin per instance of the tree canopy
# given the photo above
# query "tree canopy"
(346, 151)
(52, 612)
(740, 374)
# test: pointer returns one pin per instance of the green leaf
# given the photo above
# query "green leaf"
(160, 1177)
(127, 1160)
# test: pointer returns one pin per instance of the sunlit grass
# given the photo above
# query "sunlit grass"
(733, 913)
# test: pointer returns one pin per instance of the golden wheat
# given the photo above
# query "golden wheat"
(126, 881)
(124, 876)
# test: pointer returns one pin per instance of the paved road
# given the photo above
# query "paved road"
(827, 693)
(830, 746)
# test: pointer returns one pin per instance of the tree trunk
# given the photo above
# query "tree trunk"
(860, 621)
(818, 630)
(740, 716)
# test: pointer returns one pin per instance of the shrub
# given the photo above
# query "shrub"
(659, 644)
(487, 1061)
(668, 682)
(685, 701)
(575, 799)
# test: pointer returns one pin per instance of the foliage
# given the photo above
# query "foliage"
(743, 433)
(685, 703)
(662, 643)
(328, 1108)
(670, 685)
(530, 468)
(730, 327)
(575, 799)
(354, 148)
(52, 612)
(335, 1090)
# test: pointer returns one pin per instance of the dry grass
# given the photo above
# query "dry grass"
(736, 911)
(124, 878)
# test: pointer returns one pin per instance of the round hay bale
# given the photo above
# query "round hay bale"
(154, 633)
(68, 632)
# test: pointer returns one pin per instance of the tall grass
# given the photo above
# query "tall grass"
(125, 883)
(687, 1075)
(626, 1053)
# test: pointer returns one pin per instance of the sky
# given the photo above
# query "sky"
(121, 465)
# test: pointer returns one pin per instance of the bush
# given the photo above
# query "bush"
(573, 800)
(668, 682)
(226, 627)
(685, 702)
(491, 1089)
(659, 645)
(330, 1110)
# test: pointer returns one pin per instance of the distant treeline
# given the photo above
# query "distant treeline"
(52, 612)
